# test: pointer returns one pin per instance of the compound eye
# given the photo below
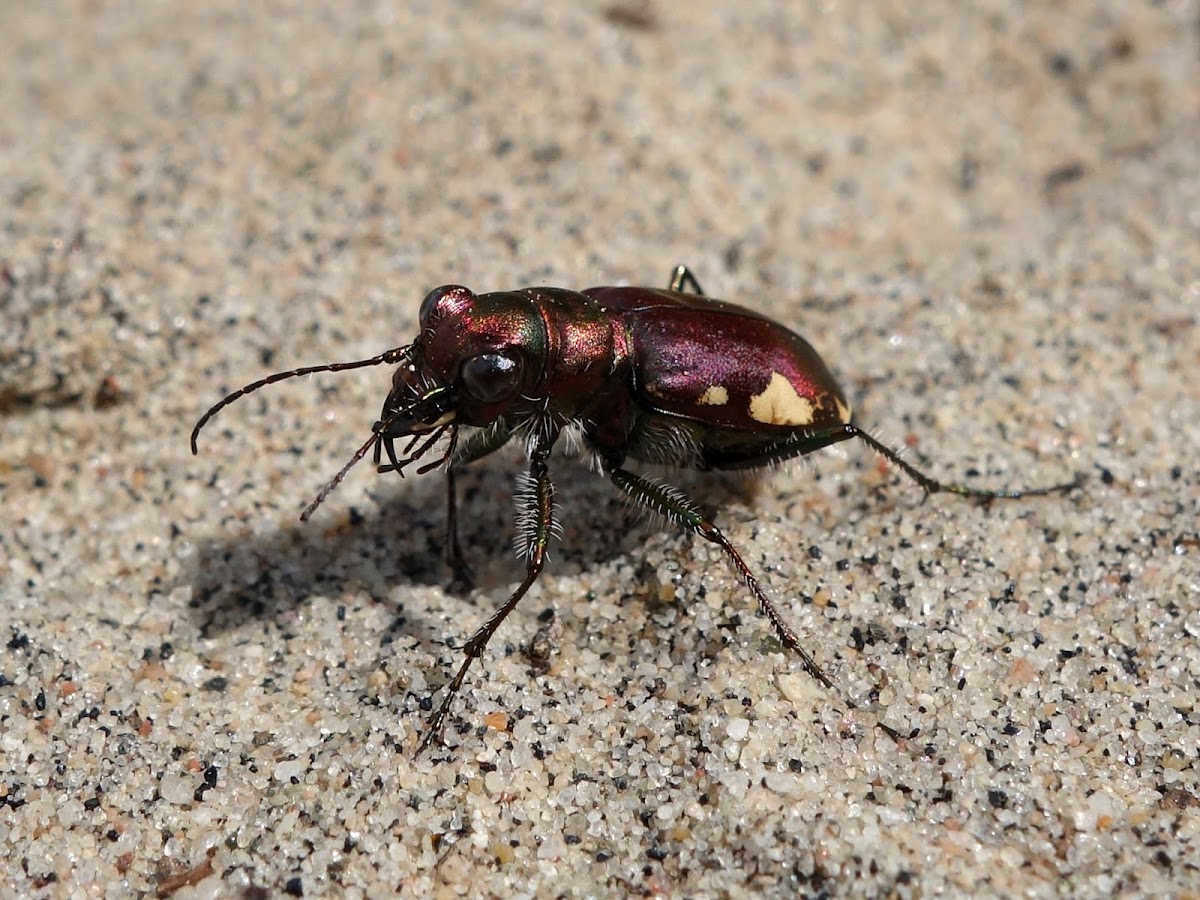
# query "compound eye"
(491, 377)
(449, 299)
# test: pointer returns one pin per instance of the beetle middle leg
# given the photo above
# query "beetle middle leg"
(539, 514)
(679, 508)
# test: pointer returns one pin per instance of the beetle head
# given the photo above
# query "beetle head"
(475, 357)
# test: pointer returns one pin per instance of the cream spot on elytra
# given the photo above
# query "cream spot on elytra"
(843, 412)
(714, 396)
(779, 404)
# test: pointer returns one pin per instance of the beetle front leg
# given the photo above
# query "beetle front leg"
(477, 445)
(536, 515)
(679, 508)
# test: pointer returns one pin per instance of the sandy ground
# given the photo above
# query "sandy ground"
(986, 216)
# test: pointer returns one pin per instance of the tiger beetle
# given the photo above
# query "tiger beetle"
(665, 377)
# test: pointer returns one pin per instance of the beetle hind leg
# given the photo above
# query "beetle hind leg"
(681, 278)
(679, 508)
(933, 486)
(753, 456)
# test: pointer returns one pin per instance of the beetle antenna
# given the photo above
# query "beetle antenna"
(932, 486)
(388, 357)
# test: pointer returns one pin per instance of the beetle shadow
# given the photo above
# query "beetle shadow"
(352, 552)
(400, 539)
